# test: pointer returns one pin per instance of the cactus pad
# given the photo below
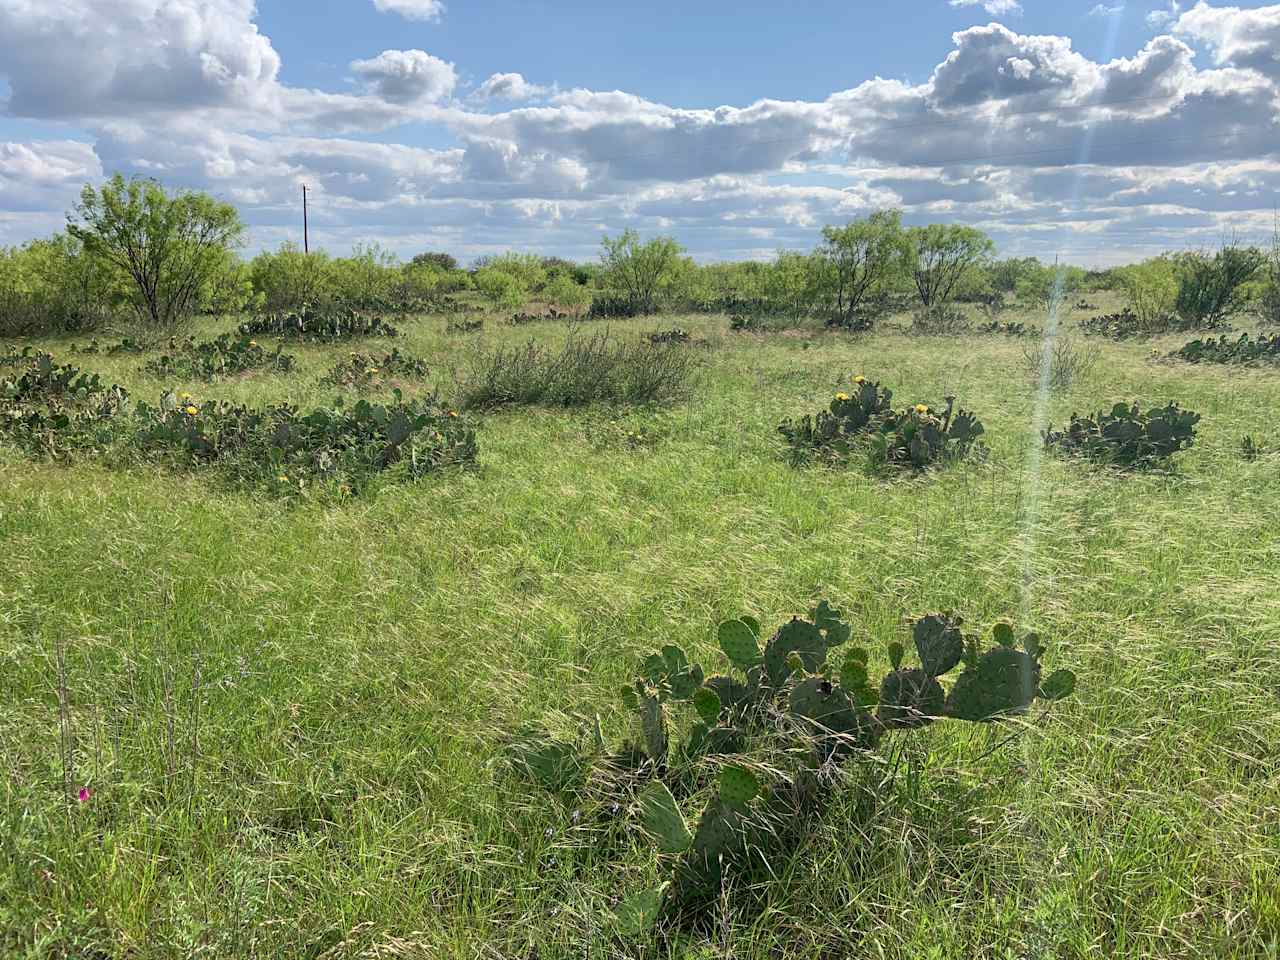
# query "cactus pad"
(908, 699)
(938, 642)
(1003, 680)
(662, 818)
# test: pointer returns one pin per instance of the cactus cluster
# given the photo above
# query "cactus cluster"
(50, 409)
(1222, 350)
(521, 319)
(459, 325)
(674, 335)
(766, 737)
(1008, 328)
(216, 359)
(1126, 436)
(281, 446)
(864, 420)
(317, 325)
(366, 371)
(1124, 325)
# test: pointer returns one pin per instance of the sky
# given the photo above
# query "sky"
(1095, 133)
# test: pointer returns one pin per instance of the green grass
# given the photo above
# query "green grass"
(288, 712)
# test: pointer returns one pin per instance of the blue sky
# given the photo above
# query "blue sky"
(1097, 132)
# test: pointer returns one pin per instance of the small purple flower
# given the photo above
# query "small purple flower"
(84, 794)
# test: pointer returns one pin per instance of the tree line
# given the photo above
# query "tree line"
(133, 249)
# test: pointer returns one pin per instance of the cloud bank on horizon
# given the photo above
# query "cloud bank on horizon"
(1021, 135)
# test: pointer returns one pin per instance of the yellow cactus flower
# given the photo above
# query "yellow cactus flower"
(282, 478)
(842, 396)
(191, 411)
(922, 408)
(859, 379)
(371, 370)
(253, 343)
(184, 396)
(453, 413)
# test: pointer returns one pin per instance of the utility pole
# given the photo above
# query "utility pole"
(306, 242)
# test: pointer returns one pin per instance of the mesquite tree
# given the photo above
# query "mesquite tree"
(168, 245)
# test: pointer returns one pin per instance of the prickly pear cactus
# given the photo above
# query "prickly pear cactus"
(938, 642)
(653, 727)
(909, 698)
(1003, 681)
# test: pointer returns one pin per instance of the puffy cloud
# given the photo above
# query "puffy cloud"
(412, 9)
(508, 86)
(997, 8)
(90, 58)
(1239, 38)
(994, 63)
(1102, 10)
(1020, 135)
(407, 76)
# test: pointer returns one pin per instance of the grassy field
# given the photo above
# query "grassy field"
(288, 713)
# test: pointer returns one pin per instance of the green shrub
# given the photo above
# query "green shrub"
(501, 289)
(1126, 437)
(1067, 363)
(586, 369)
(317, 325)
(55, 286)
(213, 360)
(760, 748)
(286, 450)
(866, 423)
(1151, 289)
(1210, 288)
(1222, 350)
(362, 371)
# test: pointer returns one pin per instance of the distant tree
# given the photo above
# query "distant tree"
(168, 245)
(501, 289)
(434, 259)
(639, 271)
(858, 259)
(566, 293)
(1210, 288)
(1151, 289)
(525, 267)
(288, 279)
(942, 254)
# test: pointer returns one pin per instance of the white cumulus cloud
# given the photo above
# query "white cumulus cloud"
(407, 76)
(996, 8)
(412, 9)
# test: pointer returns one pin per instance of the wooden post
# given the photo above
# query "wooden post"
(306, 242)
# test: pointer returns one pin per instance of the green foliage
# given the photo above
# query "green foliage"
(941, 254)
(1044, 287)
(1126, 436)
(1244, 350)
(317, 325)
(638, 274)
(917, 437)
(288, 279)
(501, 289)
(214, 360)
(1211, 288)
(170, 247)
(585, 369)
(440, 261)
(859, 260)
(788, 727)
(1058, 363)
(1151, 289)
(55, 286)
(126, 345)
(361, 371)
(567, 293)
